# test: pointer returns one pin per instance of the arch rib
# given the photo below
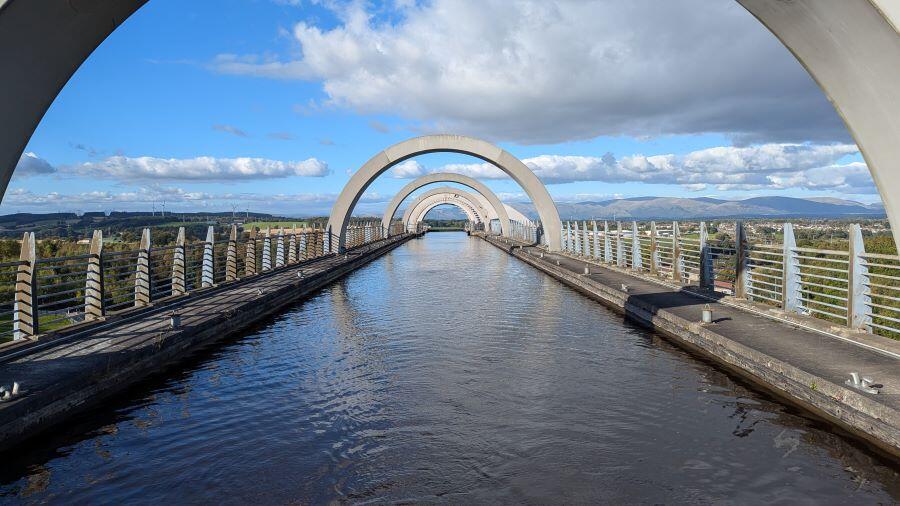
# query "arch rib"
(498, 207)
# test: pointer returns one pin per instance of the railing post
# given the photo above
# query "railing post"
(577, 248)
(231, 271)
(620, 246)
(93, 287)
(637, 262)
(303, 254)
(326, 241)
(179, 281)
(858, 293)
(654, 251)
(250, 259)
(740, 261)
(585, 240)
(279, 248)
(25, 317)
(677, 257)
(607, 245)
(142, 274)
(267, 251)
(790, 282)
(206, 274)
(597, 253)
(565, 233)
(292, 246)
(706, 272)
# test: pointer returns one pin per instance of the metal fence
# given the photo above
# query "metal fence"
(852, 288)
(38, 295)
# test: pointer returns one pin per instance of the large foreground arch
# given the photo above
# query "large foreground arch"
(446, 192)
(850, 47)
(446, 177)
(377, 165)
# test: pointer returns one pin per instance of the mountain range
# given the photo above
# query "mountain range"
(648, 208)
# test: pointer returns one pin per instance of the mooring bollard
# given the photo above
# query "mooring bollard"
(174, 320)
(706, 315)
(587, 270)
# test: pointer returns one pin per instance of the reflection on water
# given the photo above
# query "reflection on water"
(446, 371)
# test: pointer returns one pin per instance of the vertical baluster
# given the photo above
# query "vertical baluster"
(706, 272)
(791, 274)
(179, 277)
(637, 262)
(231, 268)
(654, 249)
(142, 272)
(25, 317)
(741, 272)
(858, 293)
(250, 261)
(93, 288)
(206, 273)
(677, 257)
(267, 251)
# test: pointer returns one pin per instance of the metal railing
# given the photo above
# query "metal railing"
(852, 288)
(38, 295)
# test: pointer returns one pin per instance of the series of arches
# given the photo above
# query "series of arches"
(417, 211)
(850, 47)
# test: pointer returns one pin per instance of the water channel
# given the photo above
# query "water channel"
(446, 371)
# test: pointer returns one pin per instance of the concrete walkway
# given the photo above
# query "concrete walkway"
(806, 366)
(67, 374)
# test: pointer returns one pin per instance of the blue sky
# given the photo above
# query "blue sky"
(693, 106)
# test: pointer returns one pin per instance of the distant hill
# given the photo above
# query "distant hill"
(658, 208)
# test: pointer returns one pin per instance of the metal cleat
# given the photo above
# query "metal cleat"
(864, 384)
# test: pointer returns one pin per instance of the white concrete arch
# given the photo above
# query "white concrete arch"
(424, 207)
(377, 165)
(446, 191)
(494, 204)
(850, 47)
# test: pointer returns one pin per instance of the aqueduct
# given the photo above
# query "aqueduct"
(850, 47)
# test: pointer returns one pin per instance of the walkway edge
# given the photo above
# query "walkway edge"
(863, 417)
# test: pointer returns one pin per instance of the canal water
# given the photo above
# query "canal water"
(446, 372)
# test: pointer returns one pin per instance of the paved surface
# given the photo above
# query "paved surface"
(69, 371)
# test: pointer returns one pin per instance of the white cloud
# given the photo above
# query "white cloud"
(535, 71)
(766, 166)
(31, 164)
(204, 168)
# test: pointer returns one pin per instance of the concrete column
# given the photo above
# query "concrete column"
(740, 261)
(654, 249)
(206, 274)
(607, 245)
(231, 269)
(25, 316)
(142, 294)
(637, 261)
(93, 287)
(179, 282)
(706, 271)
(597, 254)
(858, 292)
(620, 246)
(790, 282)
(326, 241)
(566, 240)
(250, 259)
(267, 251)
(677, 257)
(279, 248)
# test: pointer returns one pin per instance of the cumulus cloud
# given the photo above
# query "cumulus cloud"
(534, 71)
(31, 164)
(766, 166)
(204, 168)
